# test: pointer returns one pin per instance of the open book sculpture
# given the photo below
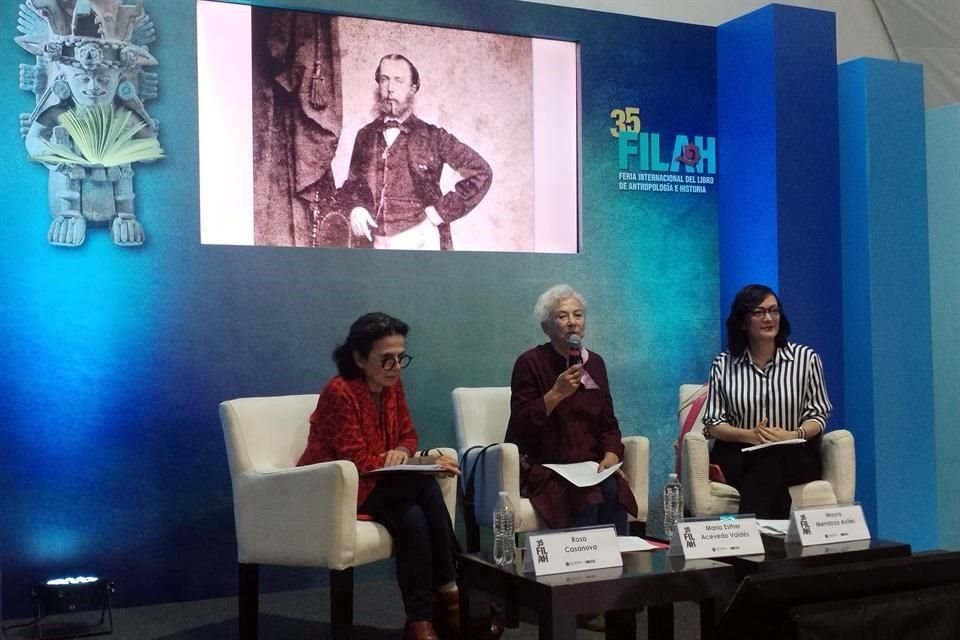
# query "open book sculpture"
(89, 124)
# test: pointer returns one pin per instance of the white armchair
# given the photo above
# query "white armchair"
(297, 516)
(703, 497)
(481, 415)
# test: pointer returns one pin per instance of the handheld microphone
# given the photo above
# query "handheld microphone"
(573, 343)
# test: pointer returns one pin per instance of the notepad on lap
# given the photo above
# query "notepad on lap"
(773, 444)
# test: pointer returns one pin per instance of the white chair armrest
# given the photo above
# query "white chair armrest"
(636, 466)
(699, 491)
(695, 474)
(723, 492)
(303, 516)
(448, 486)
(837, 452)
(817, 493)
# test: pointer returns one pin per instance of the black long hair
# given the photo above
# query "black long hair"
(746, 300)
(365, 331)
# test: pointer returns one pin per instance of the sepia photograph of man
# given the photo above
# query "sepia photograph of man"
(465, 140)
(393, 189)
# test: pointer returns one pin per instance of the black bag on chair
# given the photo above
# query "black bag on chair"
(468, 496)
(486, 627)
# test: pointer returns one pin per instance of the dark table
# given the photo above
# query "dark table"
(780, 556)
(911, 596)
(649, 578)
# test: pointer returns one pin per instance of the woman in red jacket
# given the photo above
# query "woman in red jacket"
(362, 416)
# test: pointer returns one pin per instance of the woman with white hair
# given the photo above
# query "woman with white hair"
(561, 412)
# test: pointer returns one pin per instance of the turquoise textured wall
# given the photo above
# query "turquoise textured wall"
(116, 359)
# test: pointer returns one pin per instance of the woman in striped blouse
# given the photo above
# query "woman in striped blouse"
(764, 389)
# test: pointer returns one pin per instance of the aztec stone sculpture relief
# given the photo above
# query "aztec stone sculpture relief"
(89, 125)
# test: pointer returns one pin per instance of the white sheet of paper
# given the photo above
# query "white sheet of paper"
(773, 444)
(634, 543)
(583, 474)
(773, 527)
(420, 468)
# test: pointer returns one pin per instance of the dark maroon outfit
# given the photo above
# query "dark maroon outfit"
(581, 427)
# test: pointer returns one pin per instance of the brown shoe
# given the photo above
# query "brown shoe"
(487, 627)
(446, 614)
(420, 630)
(494, 629)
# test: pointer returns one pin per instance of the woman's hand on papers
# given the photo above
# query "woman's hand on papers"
(450, 466)
(394, 457)
(609, 459)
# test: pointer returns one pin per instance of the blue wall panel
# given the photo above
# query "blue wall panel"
(746, 123)
(858, 353)
(779, 204)
(808, 181)
(943, 176)
(887, 294)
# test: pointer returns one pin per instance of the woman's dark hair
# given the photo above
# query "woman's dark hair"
(364, 331)
(746, 300)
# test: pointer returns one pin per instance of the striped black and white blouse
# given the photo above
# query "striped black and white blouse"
(787, 392)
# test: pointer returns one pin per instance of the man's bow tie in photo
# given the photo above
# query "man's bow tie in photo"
(393, 124)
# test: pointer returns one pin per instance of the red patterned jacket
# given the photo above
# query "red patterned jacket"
(344, 427)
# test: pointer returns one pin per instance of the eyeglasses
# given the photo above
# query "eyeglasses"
(759, 312)
(392, 362)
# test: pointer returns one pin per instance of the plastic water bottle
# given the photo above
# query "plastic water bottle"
(672, 504)
(504, 545)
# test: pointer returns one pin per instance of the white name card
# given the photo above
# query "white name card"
(821, 525)
(550, 552)
(716, 538)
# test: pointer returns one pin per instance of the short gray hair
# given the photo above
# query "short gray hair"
(551, 297)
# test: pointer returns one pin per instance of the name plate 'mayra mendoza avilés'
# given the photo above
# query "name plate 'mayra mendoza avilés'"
(820, 525)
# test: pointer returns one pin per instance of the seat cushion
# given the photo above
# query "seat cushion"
(526, 517)
(373, 543)
(723, 499)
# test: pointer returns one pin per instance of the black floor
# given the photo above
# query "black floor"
(296, 615)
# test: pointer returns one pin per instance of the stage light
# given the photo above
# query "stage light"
(68, 607)
(56, 582)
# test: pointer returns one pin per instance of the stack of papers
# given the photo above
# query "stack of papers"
(773, 527)
(633, 543)
(419, 468)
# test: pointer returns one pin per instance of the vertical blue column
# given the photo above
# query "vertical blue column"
(943, 168)
(779, 210)
(886, 280)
